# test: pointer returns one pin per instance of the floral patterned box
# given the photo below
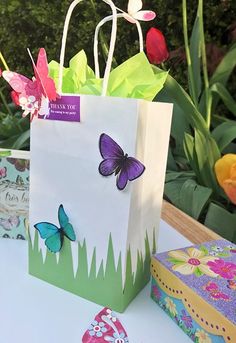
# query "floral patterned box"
(196, 287)
(14, 193)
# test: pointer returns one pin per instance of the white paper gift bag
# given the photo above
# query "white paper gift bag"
(102, 172)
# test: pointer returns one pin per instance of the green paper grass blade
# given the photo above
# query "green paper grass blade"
(221, 221)
(224, 134)
(225, 96)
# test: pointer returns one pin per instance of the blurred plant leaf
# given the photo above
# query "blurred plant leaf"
(22, 140)
(171, 161)
(225, 68)
(171, 176)
(225, 96)
(188, 196)
(224, 134)
(14, 131)
(202, 153)
(178, 128)
(178, 96)
(223, 72)
(221, 221)
(195, 54)
(191, 154)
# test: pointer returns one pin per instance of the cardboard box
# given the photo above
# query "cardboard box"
(14, 193)
(196, 287)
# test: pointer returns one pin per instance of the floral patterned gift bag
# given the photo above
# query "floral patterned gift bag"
(98, 158)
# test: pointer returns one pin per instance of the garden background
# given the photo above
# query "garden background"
(39, 23)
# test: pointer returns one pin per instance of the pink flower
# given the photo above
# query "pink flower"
(214, 291)
(0, 72)
(227, 270)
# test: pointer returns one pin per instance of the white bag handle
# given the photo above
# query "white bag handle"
(111, 49)
(100, 24)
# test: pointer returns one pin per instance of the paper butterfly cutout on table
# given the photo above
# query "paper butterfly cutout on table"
(117, 162)
(106, 327)
(10, 223)
(54, 235)
(3, 172)
(135, 11)
(30, 92)
(214, 291)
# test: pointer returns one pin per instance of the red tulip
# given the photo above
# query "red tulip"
(15, 98)
(156, 46)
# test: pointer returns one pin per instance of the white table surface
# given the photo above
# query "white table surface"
(33, 311)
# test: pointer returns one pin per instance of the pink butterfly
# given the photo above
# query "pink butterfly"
(29, 93)
(135, 11)
(106, 327)
(10, 222)
(3, 172)
(214, 291)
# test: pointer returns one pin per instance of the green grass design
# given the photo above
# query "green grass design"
(103, 286)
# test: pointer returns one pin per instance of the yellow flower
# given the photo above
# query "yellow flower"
(202, 336)
(171, 306)
(225, 169)
(188, 263)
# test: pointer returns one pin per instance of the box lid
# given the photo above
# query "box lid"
(210, 270)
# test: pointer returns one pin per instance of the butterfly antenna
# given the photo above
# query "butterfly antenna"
(35, 68)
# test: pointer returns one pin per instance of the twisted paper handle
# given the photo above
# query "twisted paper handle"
(111, 48)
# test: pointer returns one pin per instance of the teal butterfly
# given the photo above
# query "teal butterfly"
(53, 235)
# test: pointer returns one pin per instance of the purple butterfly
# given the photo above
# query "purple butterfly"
(116, 161)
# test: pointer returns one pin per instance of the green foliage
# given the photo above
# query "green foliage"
(197, 143)
(39, 23)
(14, 130)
